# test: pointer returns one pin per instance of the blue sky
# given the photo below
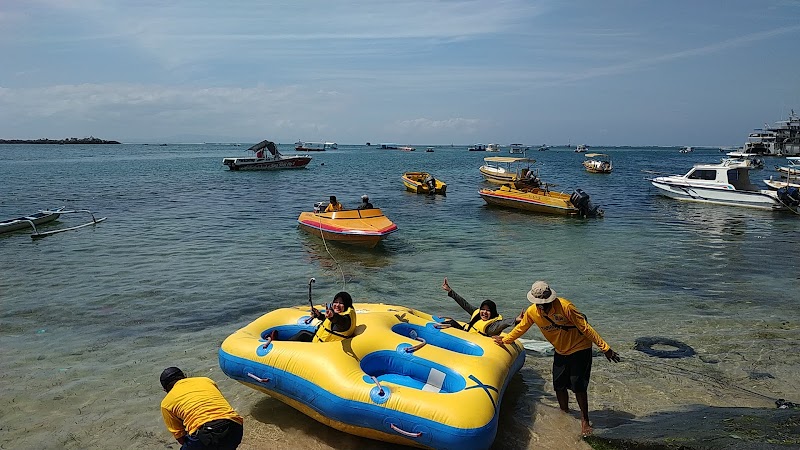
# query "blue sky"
(417, 72)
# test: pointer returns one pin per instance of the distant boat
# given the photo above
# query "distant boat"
(477, 148)
(407, 148)
(493, 148)
(544, 147)
(429, 149)
(781, 139)
(517, 148)
(262, 161)
(580, 148)
(310, 146)
(686, 150)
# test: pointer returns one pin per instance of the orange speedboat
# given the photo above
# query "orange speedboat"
(364, 227)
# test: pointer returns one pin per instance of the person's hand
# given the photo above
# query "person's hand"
(446, 286)
(329, 313)
(519, 317)
(498, 340)
(611, 355)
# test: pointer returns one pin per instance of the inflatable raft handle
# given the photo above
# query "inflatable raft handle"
(416, 347)
(404, 432)
(380, 388)
(260, 380)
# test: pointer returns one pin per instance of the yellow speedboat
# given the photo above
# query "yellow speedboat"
(364, 227)
(399, 379)
(423, 183)
(542, 200)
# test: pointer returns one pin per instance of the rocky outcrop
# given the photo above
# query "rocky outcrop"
(88, 140)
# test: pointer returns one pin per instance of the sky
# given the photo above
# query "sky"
(615, 72)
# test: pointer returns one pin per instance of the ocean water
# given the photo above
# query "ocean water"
(191, 252)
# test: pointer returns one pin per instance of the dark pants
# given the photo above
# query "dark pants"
(220, 434)
(302, 336)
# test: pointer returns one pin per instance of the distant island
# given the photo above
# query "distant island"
(88, 140)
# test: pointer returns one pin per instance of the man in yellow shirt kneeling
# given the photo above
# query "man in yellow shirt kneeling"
(197, 414)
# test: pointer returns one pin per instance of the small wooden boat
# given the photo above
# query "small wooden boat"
(26, 222)
(399, 379)
(44, 217)
(365, 227)
(423, 183)
(598, 163)
(505, 169)
(542, 200)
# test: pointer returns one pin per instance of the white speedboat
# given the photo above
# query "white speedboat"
(746, 160)
(793, 169)
(517, 149)
(262, 161)
(581, 148)
(493, 148)
(686, 150)
(721, 184)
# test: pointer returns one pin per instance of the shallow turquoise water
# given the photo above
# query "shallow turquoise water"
(191, 252)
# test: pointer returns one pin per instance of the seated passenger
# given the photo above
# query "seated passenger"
(338, 321)
(365, 204)
(485, 320)
(334, 205)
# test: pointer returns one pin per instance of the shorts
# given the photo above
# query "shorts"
(222, 434)
(572, 371)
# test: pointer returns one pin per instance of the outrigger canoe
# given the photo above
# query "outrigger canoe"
(399, 379)
(542, 200)
(420, 183)
(25, 222)
(364, 227)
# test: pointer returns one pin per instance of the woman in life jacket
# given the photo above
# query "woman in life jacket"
(484, 320)
(338, 321)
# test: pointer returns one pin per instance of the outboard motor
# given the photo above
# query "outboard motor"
(585, 207)
(789, 196)
(320, 206)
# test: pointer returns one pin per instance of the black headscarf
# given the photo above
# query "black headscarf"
(492, 312)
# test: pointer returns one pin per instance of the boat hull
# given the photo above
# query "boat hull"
(534, 200)
(721, 195)
(446, 394)
(413, 181)
(363, 227)
(283, 162)
(23, 223)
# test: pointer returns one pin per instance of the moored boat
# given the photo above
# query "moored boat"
(720, 184)
(493, 148)
(581, 148)
(399, 379)
(423, 183)
(44, 217)
(686, 150)
(262, 160)
(793, 167)
(477, 148)
(598, 163)
(30, 221)
(303, 146)
(747, 160)
(364, 227)
(542, 200)
(505, 169)
(517, 149)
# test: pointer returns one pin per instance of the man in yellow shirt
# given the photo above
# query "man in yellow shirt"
(334, 205)
(197, 414)
(571, 335)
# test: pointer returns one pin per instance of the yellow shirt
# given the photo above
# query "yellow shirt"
(192, 402)
(331, 207)
(562, 314)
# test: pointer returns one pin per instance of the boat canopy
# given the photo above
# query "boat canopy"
(507, 159)
(265, 144)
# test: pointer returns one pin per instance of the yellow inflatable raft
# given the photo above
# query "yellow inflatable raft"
(399, 379)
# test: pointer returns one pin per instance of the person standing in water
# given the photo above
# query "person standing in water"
(572, 337)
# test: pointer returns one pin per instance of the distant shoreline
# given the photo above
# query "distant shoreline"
(89, 140)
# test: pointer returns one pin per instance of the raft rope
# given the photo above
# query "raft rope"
(325, 243)
(672, 369)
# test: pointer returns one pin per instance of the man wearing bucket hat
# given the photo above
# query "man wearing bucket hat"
(197, 414)
(571, 335)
